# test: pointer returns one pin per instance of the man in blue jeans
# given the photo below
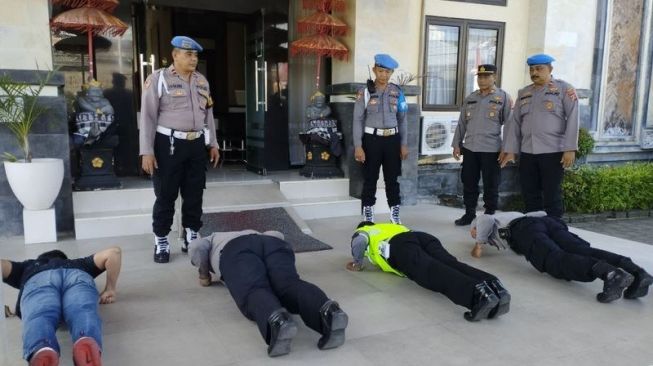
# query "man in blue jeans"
(53, 287)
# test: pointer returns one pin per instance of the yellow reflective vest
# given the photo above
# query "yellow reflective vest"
(379, 236)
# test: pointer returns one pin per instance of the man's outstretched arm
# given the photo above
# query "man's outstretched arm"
(109, 260)
(359, 243)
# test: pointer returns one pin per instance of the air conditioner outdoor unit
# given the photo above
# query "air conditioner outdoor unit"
(437, 134)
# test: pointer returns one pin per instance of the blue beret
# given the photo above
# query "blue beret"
(385, 61)
(186, 43)
(539, 59)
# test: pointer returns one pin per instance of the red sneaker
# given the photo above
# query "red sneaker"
(46, 356)
(86, 352)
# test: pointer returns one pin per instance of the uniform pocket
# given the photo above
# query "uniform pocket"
(470, 111)
(524, 107)
(177, 99)
(373, 105)
(553, 105)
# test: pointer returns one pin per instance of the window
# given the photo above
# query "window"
(454, 49)
(486, 2)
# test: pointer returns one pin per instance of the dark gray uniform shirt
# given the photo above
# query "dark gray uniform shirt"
(481, 118)
(381, 112)
(544, 120)
(181, 106)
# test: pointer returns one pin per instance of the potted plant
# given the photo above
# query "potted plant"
(35, 182)
(585, 145)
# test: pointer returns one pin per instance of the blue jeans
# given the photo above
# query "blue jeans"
(48, 296)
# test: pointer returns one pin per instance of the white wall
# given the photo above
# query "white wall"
(25, 35)
(379, 26)
(569, 38)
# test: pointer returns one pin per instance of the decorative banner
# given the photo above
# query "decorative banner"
(85, 19)
(322, 23)
(326, 6)
(320, 45)
(106, 5)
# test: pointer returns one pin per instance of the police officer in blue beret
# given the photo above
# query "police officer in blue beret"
(478, 140)
(543, 130)
(380, 136)
(177, 139)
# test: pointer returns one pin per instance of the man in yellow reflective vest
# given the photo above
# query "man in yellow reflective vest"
(421, 257)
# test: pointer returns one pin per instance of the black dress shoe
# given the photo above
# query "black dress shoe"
(161, 256)
(504, 299)
(334, 322)
(489, 212)
(466, 219)
(282, 330)
(484, 301)
(614, 283)
(639, 287)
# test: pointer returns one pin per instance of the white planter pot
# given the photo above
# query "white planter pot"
(35, 184)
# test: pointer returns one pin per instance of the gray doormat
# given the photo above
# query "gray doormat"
(262, 220)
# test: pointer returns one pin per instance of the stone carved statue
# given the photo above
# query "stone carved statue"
(318, 107)
(95, 139)
(94, 114)
(322, 139)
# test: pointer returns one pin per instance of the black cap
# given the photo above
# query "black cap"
(486, 69)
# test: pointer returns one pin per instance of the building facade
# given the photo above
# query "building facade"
(602, 47)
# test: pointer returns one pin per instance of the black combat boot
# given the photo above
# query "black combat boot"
(334, 322)
(161, 249)
(282, 329)
(484, 300)
(189, 236)
(467, 218)
(615, 280)
(640, 285)
(504, 299)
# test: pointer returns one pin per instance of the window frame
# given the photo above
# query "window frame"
(463, 25)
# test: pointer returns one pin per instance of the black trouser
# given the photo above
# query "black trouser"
(541, 179)
(549, 246)
(475, 163)
(260, 273)
(185, 172)
(421, 257)
(381, 151)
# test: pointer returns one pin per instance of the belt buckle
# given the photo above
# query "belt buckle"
(387, 132)
(191, 135)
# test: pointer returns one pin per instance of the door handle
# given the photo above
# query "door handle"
(265, 85)
(143, 66)
(256, 83)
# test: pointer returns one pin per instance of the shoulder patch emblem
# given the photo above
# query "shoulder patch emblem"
(359, 94)
(571, 93)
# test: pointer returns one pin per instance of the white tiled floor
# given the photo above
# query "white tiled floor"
(163, 317)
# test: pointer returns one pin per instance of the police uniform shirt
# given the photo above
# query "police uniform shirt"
(544, 120)
(382, 112)
(481, 118)
(182, 106)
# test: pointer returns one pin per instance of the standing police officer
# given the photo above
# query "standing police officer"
(481, 117)
(177, 129)
(380, 136)
(544, 129)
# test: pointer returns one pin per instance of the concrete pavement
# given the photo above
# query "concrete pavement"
(163, 317)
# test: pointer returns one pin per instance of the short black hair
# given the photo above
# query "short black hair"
(364, 223)
(53, 254)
